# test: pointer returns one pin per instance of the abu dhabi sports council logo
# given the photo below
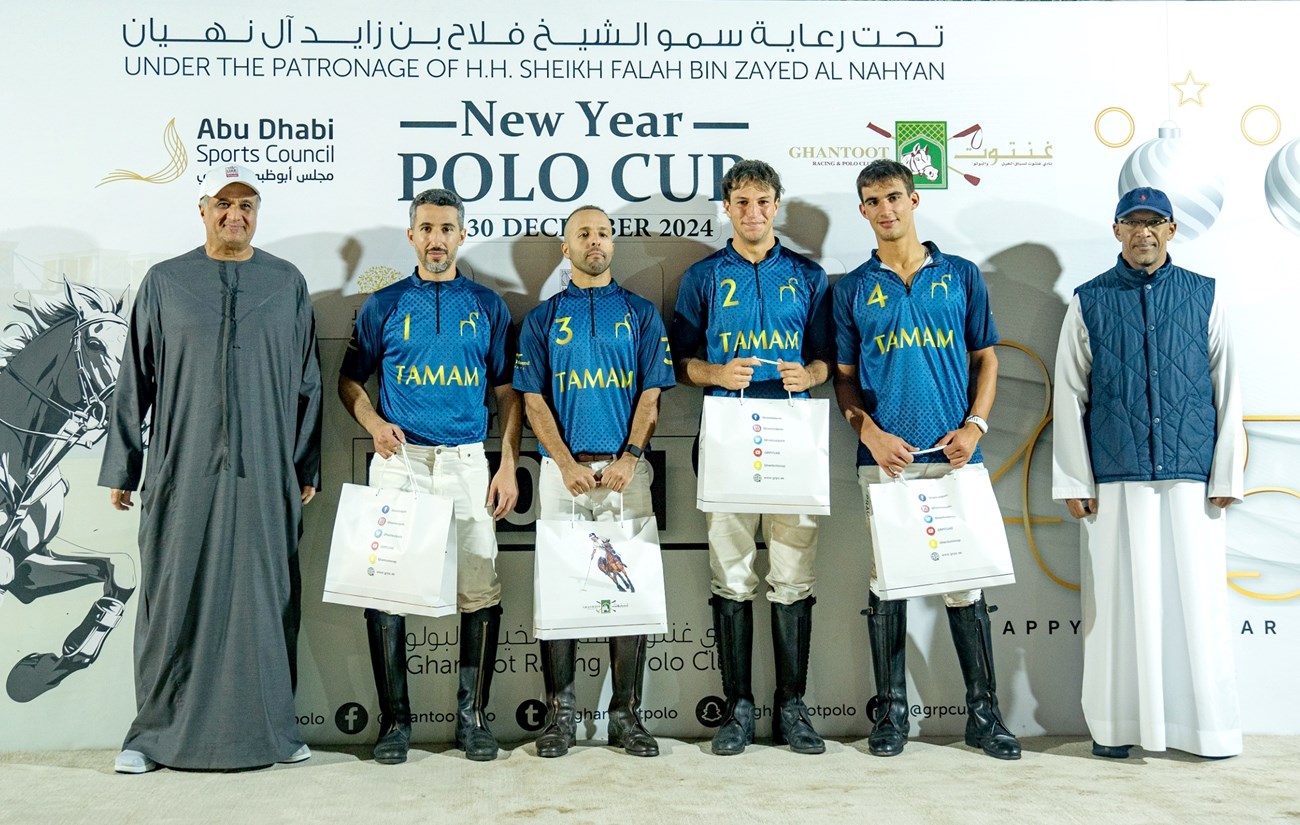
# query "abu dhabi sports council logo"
(178, 161)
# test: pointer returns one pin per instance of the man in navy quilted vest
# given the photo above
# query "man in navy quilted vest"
(1149, 453)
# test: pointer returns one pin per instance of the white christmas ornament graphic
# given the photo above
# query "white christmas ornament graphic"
(1190, 179)
(1282, 186)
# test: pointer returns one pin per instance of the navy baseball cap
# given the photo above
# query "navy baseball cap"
(1144, 197)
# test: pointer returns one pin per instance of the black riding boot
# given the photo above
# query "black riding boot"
(36, 673)
(562, 715)
(791, 640)
(478, 658)
(887, 629)
(733, 623)
(973, 637)
(627, 672)
(387, 634)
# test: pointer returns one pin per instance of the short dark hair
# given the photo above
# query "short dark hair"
(590, 207)
(439, 197)
(750, 171)
(879, 171)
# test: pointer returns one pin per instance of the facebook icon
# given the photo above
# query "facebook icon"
(351, 718)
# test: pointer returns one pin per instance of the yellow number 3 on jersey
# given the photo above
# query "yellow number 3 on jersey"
(564, 328)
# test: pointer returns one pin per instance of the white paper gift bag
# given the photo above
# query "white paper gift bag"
(393, 550)
(598, 578)
(764, 455)
(938, 535)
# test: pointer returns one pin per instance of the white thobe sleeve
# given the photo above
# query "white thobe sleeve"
(1227, 472)
(1071, 463)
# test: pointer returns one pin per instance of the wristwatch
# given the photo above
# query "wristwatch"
(634, 451)
(978, 422)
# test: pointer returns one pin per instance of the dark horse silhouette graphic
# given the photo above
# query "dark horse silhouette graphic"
(57, 374)
(610, 563)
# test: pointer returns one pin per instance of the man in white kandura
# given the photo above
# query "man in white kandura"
(1149, 453)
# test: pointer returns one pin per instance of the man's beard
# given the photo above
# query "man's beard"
(436, 268)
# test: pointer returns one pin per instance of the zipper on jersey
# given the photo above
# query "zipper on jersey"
(758, 287)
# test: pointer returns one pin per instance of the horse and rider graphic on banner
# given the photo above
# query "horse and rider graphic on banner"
(58, 370)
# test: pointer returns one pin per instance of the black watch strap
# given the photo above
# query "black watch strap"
(634, 451)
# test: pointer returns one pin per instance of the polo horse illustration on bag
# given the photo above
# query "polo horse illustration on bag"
(610, 563)
(58, 370)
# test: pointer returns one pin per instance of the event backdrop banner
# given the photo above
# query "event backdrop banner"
(1021, 121)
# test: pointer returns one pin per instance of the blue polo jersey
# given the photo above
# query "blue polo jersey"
(439, 347)
(910, 345)
(591, 353)
(776, 309)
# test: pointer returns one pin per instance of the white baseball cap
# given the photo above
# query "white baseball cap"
(219, 177)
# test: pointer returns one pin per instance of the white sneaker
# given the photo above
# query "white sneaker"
(129, 761)
(300, 755)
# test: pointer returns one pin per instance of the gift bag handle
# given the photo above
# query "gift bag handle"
(573, 510)
(789, 397)
(410, 472)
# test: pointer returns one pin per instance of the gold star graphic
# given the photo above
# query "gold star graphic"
(1190, 90)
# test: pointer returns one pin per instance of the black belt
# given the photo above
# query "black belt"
(590, 458)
